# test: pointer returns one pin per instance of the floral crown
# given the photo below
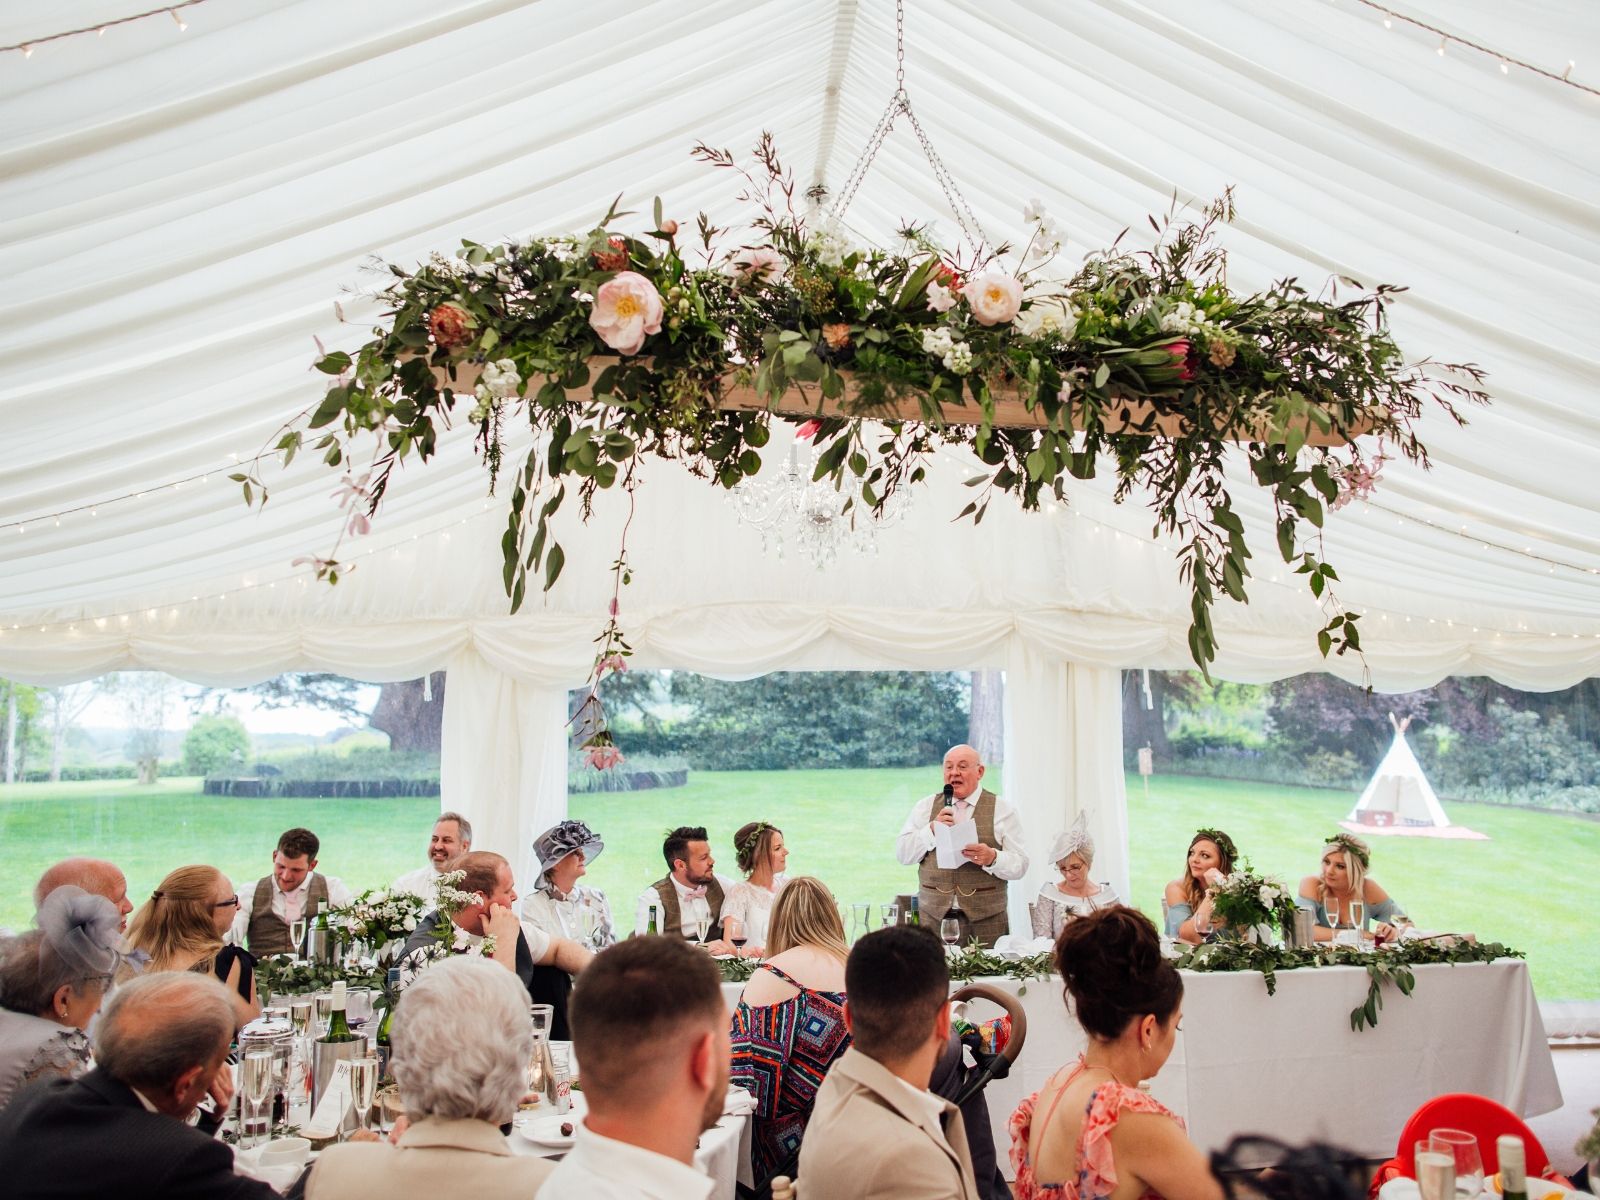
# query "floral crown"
(1354, 845)
(1223, 841)
(752, 839)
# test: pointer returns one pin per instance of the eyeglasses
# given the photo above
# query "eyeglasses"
(230, 902)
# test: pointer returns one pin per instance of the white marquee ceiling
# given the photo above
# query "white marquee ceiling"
(179, 212)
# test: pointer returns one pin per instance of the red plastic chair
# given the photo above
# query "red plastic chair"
(1480, 1116)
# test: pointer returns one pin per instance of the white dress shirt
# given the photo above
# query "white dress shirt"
(690, 909)
(338, 895)
(602, 1168)
(916, 838)
(420, 883)
(559, 917)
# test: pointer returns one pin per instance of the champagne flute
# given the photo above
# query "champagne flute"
(363, 1088)
(589, 926)
(297, 936)
(1358, 912)
(259, 1069)
(300, 1014)
(702, 924)
(324, 1008)
(1435, 1172)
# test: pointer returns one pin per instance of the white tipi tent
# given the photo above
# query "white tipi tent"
(1399, 792)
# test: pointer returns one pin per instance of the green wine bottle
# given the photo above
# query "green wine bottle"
(1513, 1156)
(651, 927)
(391, 997)
(338, 1027)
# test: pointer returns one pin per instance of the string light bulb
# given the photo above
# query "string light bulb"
(27, 51)
(1504, 69)
(1441, 47)
(182, 24)
(1567, 74)
(1387, 23)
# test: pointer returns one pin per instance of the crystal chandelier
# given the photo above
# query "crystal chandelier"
(790, 510)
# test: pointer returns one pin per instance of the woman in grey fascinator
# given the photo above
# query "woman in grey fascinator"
(1075, 894)
(52, 980)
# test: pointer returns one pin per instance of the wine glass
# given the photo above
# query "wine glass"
(1463, 1148)
(363, 1088)
(297, 936)
(950, 930)
(358, 1006)
(259, 1068)
(736, 934)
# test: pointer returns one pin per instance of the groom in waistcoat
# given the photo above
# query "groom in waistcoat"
(975, 892)
(691, 889)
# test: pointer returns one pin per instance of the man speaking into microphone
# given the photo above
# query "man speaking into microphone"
(975, 889)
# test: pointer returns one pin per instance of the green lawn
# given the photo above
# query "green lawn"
(1525, 886)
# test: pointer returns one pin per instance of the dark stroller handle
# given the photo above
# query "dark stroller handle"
(992, 1066)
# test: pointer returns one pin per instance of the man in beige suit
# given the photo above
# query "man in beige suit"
(876, 1130)
(462, 1040)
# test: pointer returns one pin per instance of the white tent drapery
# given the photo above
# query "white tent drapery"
(178, 213)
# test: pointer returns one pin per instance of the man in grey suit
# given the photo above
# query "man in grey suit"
(876, 1131)
(121, 1129)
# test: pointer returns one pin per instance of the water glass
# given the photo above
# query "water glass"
(543, 1016)
(1463, 1150)
(862, 920)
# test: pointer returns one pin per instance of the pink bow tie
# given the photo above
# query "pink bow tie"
(696, 893)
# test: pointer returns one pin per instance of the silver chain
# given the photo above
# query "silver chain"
(899, 103)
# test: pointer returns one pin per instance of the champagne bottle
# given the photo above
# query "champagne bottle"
(338, 1027)
(1513, 1167)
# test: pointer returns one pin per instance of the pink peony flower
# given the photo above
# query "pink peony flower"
(1358, 481)
(669, 227)
(626, 310)
(807, 431)
(603, 758)
(994, 297)
(611, 662)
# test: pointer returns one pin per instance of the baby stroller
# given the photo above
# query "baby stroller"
(993, 1046)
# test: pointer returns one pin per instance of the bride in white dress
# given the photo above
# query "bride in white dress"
(762, 857)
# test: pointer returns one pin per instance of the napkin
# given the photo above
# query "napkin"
(739, 1103)
(279, 1175)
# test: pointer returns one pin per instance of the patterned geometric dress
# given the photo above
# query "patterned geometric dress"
(780, 1054)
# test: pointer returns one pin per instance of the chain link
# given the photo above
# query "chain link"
(899, 103)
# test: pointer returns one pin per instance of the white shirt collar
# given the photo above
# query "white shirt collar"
(302, 886)
(923, 1102)
(624, 1170)
(142, 1099)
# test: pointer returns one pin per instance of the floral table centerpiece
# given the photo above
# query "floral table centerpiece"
(1246, 901)
(380, 920)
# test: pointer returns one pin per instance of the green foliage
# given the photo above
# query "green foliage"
(819, 718)
(1143, 360)
(282, 975)
(974, 962)
(1391, 964)
(216, 743)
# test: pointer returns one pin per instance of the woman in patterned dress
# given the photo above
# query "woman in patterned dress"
(789, 1026)
(1100, 1137)
(52, 980)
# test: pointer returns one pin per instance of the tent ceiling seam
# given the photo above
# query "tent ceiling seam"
(844, 33)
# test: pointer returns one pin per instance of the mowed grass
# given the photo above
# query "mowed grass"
(1531, 885)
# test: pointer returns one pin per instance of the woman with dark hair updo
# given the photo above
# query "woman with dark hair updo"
(1101, 1138)
(762, 856)
(1188, 900)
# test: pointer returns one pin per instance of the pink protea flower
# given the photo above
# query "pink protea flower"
(807, 431)
(603, 758)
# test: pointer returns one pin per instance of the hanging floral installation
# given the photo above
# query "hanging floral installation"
(672, 343)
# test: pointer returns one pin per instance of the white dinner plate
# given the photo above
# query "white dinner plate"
(546, 1130)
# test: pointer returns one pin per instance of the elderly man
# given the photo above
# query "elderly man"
(293, 892)
(121, 1130)
(451, 838)
(95, 876)
(461, 1048)
(876, 1132)
(650, 1033)
(518, 948)
(690, 892)
(974, 891)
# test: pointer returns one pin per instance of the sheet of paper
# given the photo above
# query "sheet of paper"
(950, 840)
(332, 1105)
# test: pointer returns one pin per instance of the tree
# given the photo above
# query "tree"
(215, 743)
(65, 705)
(145, 696)
(1321, 714)
(312, 689)
(986, 720)
(409, 717)
(20, 713)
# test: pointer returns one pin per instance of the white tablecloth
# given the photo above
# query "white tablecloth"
(724, 1149)
(1290, 1067)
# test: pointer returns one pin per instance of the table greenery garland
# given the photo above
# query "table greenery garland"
(523, 331)
(1388, 964)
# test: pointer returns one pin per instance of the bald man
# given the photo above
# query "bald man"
(94, 875)
(975, 891)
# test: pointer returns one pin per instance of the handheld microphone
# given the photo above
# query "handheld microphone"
(949, 795)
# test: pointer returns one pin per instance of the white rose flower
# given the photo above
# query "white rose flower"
(994, 297)
(1047, 314)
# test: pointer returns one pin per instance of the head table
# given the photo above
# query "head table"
(1289, 1066)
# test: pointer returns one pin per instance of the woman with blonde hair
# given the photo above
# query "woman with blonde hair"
(1343, 880)
(762, 856)
(800, 987)
(181, 926)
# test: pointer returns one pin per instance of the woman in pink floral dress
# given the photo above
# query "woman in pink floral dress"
(1090, 1133)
